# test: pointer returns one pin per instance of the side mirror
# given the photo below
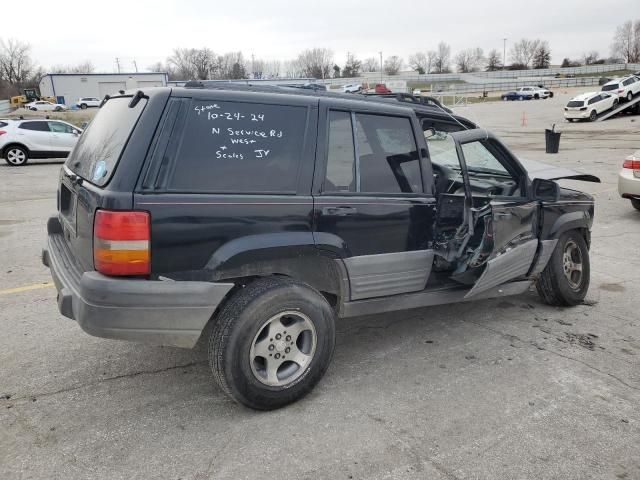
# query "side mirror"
(429, 132)
(546, 190)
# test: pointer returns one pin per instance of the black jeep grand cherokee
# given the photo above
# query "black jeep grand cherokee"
(254, 217)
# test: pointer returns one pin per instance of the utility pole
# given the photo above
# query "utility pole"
(118, 64)
(253, 65)
(504, 52)
(380, 66)
(135, 65)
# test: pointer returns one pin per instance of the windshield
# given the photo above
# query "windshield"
(97, 152)
(575, 103)
(613, 86)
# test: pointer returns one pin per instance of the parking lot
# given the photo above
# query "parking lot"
(506, 388)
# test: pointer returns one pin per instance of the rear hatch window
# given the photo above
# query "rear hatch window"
(98, 150)
(610, 87)
(575, 103)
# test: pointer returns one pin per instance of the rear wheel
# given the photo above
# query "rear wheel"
(57, 109)
(615, 103)
(565, 279)
(629, 96)
(636, 203)
(536, 96)
(16, 156)
(83, 106)
(272, 343)
(593, 115)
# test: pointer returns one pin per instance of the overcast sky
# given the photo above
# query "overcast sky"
(146, 31)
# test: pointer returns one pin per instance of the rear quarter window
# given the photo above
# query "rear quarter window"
(239, 147)
(98, 150)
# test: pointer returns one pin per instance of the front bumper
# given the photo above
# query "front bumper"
(158, 312)
(628, 183)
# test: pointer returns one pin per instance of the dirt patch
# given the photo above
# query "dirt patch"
(584, 340)
(612, 287)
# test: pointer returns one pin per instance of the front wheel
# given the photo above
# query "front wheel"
(83, 106)
(629, 96)
(272, 343)
(565, 279)
(593, 115)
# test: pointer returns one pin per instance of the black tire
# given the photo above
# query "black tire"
(16, 156)
(83, 106)
(536, 96)
(636, 203)
(629, 96)
(571, 120)
(241, 321)
(615, 104)
(57, 109)
(593, 116)
(553, 285)
(550, 94)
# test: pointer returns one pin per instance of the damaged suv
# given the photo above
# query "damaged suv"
(252, 218)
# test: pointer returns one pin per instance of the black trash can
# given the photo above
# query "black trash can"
(552, 139)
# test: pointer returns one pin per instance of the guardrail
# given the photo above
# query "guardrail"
(463, 88)
(5, 106)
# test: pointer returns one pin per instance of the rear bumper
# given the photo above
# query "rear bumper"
(628, 184)
(158, 312)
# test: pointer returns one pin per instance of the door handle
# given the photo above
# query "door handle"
(341, 211)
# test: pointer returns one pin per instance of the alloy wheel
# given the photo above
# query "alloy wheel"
(572, 264)
(15, 156)
(283, 348)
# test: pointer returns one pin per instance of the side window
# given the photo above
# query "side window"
(59, 127)
(37, 126)
(239, 147)
(388, 159)
(481, 160)
(594, 100)
(341, 154)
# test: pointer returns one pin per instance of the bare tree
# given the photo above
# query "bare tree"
(422, 62)
(542, 56)
(469, 60)
(370, 64)
(392, 65)
(494, 61)
(316, 62)
(83, 67)
(626, 42)
(442, 58)
(16, 65)
(523, 50)
(181, 61)
(590, 58)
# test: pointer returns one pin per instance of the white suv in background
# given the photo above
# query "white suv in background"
(589, 105)
(21, 140)
(86, 102)
(536, 92)
(626, 87)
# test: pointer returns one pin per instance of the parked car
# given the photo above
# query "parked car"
(516, 96)
(240, 216)
(536, 92)
(44, 106)
(381, 88)
(629, 179)
(626, 88)
(21, 140)
(352, 88)
(87, 102)
(589, 106)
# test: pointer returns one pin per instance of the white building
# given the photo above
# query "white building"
(67, 88)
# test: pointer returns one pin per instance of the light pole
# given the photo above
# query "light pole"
(380, 66)
(504, 52)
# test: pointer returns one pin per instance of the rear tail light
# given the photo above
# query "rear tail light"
(583, 109)
(631, 163)
(620, 91)
(2, 132)
(121, 242)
